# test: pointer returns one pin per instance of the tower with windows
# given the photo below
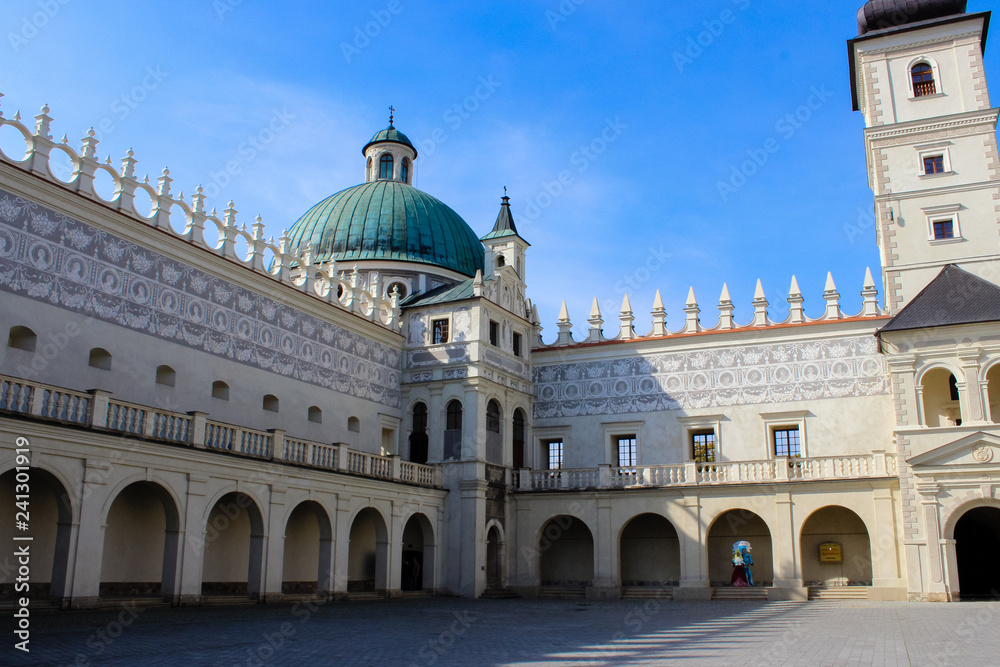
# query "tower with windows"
(918, 77)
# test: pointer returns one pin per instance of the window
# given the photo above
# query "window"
(923, 80)
(220, 390)
(518, 439)
(354, 425)
(22, 338)
(944, 229)
(440, 328)
(166, 376)
(100, 359)
(555, 454)
(627, 451)
(494, 334)
(934, 164)
(419, 442)
(385, 166)
(453, 432)
(501, 262)
(315, 415)
(993, 392)
(271, 403)
(405, 176)
(494, 438)
(493, 417)
(942, 400)
(517, 345)
(454, 419)
(368, 170)
(787, 442)
(398, 287)
(703, 446)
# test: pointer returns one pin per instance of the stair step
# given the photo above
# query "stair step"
(142, 603)
(499, 594)
(227, 600)
(838, 593)
(563, 592)
(726, 593)
(365, 597)
(647, 593)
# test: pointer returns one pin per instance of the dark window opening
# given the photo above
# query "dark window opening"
(944, 229)
(934, 165)
(555, 454)
(22, 338)
(419, 442)
(385, 166)
(517, 345)
(493, 417)
(703, 445)
(494, 334)
(627, 451)
(787, 442)
(440, 328)
(923, 80)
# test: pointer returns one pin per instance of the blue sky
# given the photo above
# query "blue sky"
(610, 99)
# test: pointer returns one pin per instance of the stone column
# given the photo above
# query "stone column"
(787, 552)
(606, 585)
(691, 532)
(973, 409)
(86, 579)
(937, 591)
(275, 559)
(341, 547)
(193, 549)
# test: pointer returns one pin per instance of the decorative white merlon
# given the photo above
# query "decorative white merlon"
(659, 314)
(627, 330)
(796, 313)
(596, 334)
(760, 305)
(832, 300)
(726, 309)
(693, 322)
(565, 327)
(870, 295)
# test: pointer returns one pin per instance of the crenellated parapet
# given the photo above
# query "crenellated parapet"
(188, 221)
(692, 323)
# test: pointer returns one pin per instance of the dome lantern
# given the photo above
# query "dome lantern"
(390, 155)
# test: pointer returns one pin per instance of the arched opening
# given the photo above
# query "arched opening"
(405, 174)
(140, 543)
(100, 359)
(419, 442)
(836, 549)
(566, 555)
(22, 338)
(942, 400)
(923, 80)
(735, 526)
(368, 172)
(234, 547)
(398, 288)
(220, 390)
(315, 414)
(495, 578)
(51, 522)
(453, 432)
(501, 262)
(166, 376)
(354, 425)
(977, 537)
(993, 392)
(518, 439)
(271, 403)
(494, 436)
(368, 555)
(307, 563)
(417, 563)
(385, 167)
(650, 553)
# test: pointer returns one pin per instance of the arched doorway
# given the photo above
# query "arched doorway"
(494, 434)
(977, 537)
(841, 527)
(51, 524)
(942, 399)
(993, 392)
(650, 553)
(368, 553)
(140, 543)
(234, 548)
(566, 554)
(494, 559)
(308, 553)
(419, 442)
(417, 562)
(732, 527)
(519, 422)
(453, 431)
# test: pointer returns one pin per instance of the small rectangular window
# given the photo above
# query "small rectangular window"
(703, 445)
(517, 345)
(787, 442)
(934, 165)
(627, 451)
(494, 334)
(555, 454)
(440, 332)
(944, 229)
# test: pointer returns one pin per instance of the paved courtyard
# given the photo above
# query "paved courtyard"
(418, 633)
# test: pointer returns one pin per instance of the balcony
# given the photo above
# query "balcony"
(775, 471)
(99, 411)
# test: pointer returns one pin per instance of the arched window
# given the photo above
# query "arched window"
(220, 390)
(923, 80)
(315, 415)
(993, 389)
(518, 439)
(271, 403)
(368, 170)
(501, 262)
(942, 399)
(100, 359)
(22, 338)
(405, 176)
(453, 431)
(354, 425)
(166, 376)
(493, 417)
(494, 437)
(385, 166)
(419, 441)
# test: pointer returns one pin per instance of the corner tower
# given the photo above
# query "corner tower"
(930, 139)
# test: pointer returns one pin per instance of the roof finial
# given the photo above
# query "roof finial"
(392, 115)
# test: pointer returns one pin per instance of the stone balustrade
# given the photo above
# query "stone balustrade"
(98, 410)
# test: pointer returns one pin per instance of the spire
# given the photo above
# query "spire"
(760, 305)
(726, 309)
(596, 323)
(832, 299)
(626, 317)
(693, 322)
(565, 327)
(659, 316)
(870, 295)
(796, 313)
(392, 116)
(505, 221)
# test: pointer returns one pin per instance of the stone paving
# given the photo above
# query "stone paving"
(419, 633)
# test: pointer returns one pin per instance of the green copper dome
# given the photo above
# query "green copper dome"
(388, 220)
(389, 134)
